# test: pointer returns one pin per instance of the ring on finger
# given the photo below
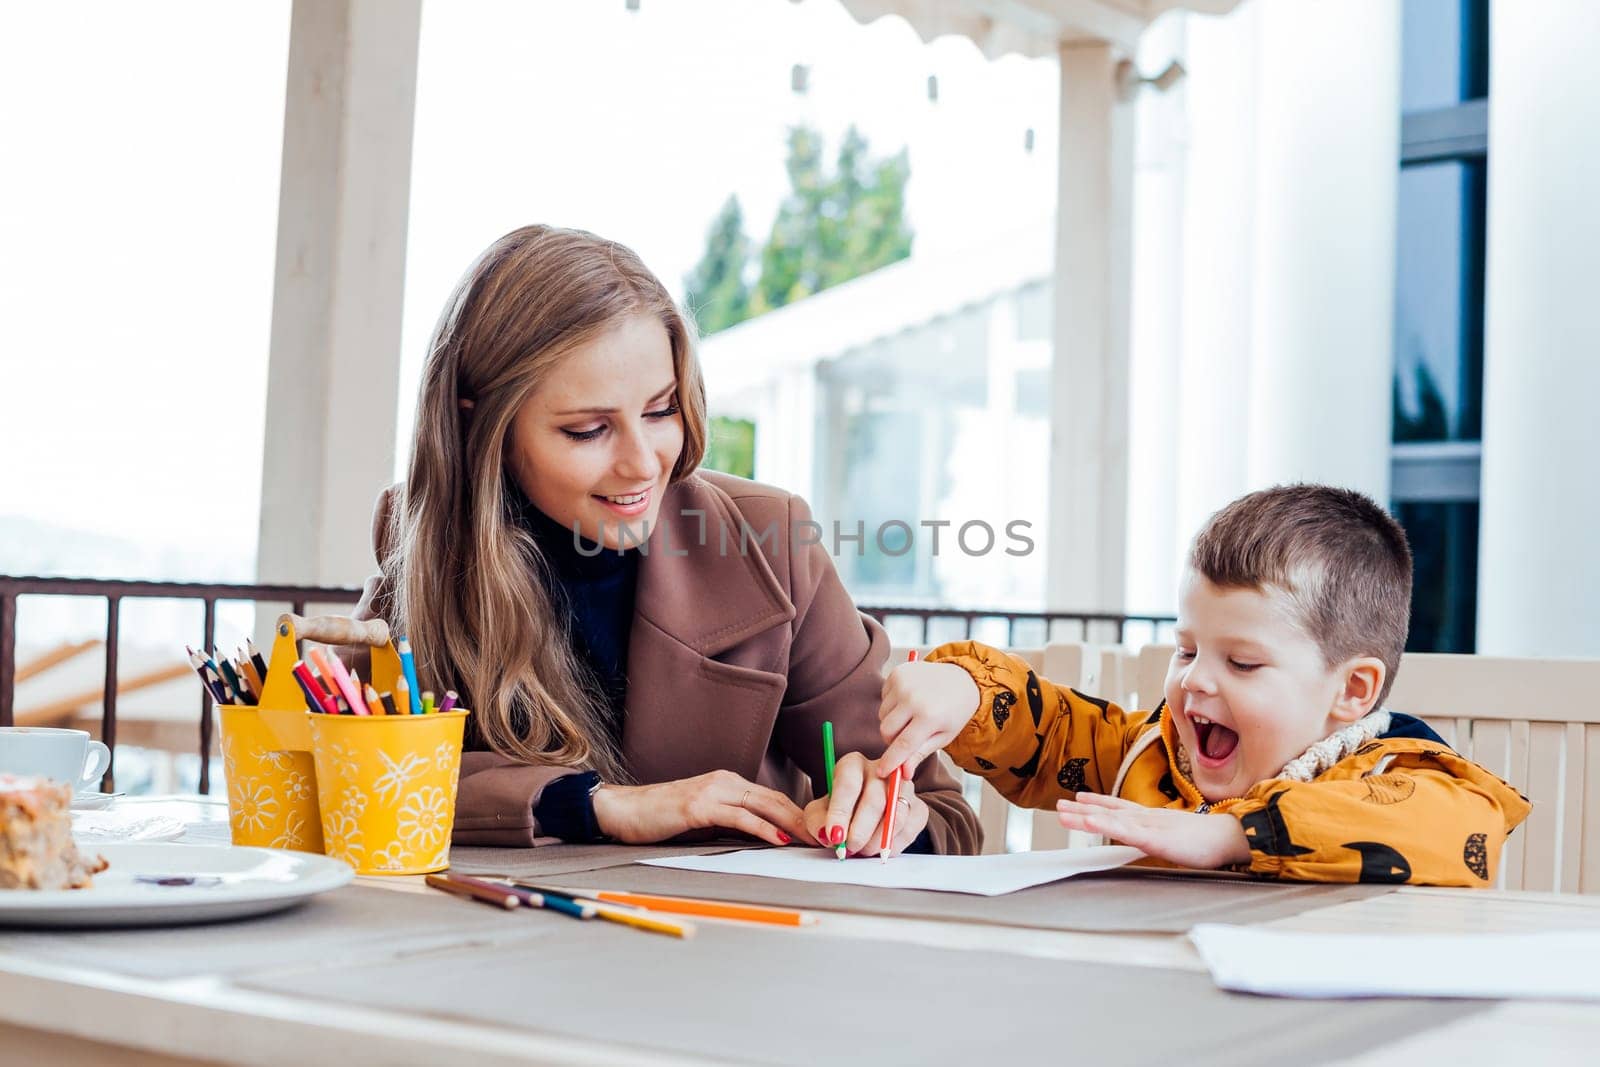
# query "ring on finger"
(744, 800)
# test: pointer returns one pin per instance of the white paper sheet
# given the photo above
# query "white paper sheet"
(986, 876)
(1553, 966)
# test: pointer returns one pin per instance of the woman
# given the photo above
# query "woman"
(647, 650)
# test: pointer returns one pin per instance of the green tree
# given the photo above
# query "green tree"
(731, 446)
(833, 227)
(715, 290)
(830, 228)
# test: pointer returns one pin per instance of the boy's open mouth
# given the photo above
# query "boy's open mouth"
(1215, 741)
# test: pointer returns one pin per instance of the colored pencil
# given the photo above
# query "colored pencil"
(614, 911)
(427, 702)
(575, 909)
(232, 679)
(828, 759)
(256, 658)
(408, 666)
(388, 704)
(709, 909)
(374, 701)
(316, 697)
(228, 695)
(200, 668)
(894, 800)
(247, 667)
(333, 671)
(404, 704)
(450, 699)
(474, 890)
(644, 922)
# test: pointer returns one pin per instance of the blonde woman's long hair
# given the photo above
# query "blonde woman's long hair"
(471, 587)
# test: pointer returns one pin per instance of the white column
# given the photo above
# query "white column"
(1328, 142)
(333, 377)
(1088, 472)
(1538, 578)
(1155, 351)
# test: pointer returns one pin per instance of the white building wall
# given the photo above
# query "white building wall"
(1328, 161)
(1213, 409)
(1155, 349)
(1537, 591)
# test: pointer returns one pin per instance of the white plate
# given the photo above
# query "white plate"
(92, 801)
(230, 883)
(93, 828)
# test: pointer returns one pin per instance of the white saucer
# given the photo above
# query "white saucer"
(90, 828)
(89, 800)
(210, 882)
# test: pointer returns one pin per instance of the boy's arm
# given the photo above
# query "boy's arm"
(1035, 741)
(1431, 818)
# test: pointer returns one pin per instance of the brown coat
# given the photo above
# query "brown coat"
(735, 659)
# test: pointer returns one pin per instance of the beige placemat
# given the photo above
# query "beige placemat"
(1125, 901)
(749, 995)
(546, 860)
(356, 924)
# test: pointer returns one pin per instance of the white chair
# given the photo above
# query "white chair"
(1535, 723)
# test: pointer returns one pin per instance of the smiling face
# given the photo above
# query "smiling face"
(596, 442)
(1248, 688)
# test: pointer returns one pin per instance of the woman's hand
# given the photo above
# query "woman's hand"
(924, 706)
(853, 814)
(1187, 838)
(645, 814)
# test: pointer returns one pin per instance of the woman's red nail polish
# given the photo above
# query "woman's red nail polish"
(837, 836)
(785, 838)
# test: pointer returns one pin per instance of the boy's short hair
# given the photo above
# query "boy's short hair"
(1340, 557)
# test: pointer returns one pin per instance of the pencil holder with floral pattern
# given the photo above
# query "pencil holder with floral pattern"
(386, 785)
(266, 748)
(272, 788)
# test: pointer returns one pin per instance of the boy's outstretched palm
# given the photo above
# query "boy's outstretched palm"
(1186, 838)
(924, 706)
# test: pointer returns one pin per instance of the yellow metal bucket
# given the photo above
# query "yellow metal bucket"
(387, 788)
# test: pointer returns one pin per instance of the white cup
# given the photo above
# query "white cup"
(60, 755)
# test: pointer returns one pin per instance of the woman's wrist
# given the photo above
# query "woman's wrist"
(604, 799)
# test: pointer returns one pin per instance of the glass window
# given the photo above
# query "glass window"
(1438, 340)
(1444, 587)
(1445, 53)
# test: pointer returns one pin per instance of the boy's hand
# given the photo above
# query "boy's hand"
(924, 706)
(1186, 838)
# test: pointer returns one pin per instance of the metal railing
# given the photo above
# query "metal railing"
(114, 592)
(1088, 626)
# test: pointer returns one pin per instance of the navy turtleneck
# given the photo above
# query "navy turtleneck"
(596, 585)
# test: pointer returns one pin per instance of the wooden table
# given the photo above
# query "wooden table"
(54, 1013)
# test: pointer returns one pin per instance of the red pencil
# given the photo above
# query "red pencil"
(319, 698)
(894, 799)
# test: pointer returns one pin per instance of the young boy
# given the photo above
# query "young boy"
(1271, 751)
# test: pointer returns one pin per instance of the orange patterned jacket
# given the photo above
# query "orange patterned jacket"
(1396, 810)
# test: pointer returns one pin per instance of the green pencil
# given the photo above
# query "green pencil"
(827, 759)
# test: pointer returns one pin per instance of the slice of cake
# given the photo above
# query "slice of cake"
(36, 847)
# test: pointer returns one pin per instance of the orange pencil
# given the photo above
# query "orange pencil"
(894, 800)
(374, 701)
(710, 909)
(247, 668)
